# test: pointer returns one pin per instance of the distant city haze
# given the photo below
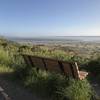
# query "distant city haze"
(36, 18)
(57, 40)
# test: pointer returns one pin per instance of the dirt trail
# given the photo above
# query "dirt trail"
(15, 91)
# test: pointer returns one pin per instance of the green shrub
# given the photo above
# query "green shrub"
(4, 57)
(5, 69)
(78, 90)
(94, 67)
(56, 86)
(45, 84)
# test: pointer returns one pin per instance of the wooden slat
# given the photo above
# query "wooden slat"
(47, 58)
(61, 67)
(67, 69)
(76, 71)
(52, 66)
(30, 60)
(44, 64)
(38, 62)
(27, 60)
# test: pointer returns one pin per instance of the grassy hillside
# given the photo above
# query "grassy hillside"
(46, 84)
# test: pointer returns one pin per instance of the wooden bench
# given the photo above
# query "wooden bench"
(67, 68)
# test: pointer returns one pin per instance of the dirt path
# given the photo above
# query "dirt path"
(14, 91)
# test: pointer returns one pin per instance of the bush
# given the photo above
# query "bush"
(77, 90)
(5, 69)
(56, 86)
(4, 57)
(94, 66)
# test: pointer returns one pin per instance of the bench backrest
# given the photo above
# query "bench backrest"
(57, 66)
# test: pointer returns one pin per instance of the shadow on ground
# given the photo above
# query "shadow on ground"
(15, 91)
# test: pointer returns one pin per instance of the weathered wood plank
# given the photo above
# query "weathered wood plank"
(38, 62)
(27, 60)
(67, 69)
(52, 65)
(76, 70)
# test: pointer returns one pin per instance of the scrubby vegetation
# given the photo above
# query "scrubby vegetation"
(46, 84)
(57, 87)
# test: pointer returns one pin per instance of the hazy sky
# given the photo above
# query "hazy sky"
(49, 17)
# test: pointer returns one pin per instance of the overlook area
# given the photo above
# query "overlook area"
(49, 49)
(42, 84)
